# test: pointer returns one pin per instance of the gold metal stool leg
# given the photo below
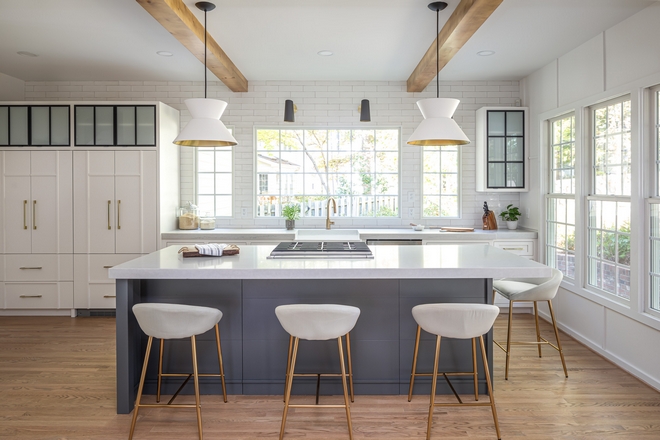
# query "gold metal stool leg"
(414, 364)
(433, 387)
(508, 341)
(141, 386)
(288, 365)
(160, 370)
(198, 406)
(538, 332)
(350, 364)
(222, 368)
(554, 325)
(474, 369)
(343, 382)
(289, 383)
(490, 386)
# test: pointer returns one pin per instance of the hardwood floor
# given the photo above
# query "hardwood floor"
(57, 381)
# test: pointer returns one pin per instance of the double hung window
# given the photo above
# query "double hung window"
(214, 181)
(609, 206)
(654, 211)
(560, 224)
(440, 181)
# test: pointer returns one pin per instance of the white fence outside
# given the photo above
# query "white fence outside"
(362, 206)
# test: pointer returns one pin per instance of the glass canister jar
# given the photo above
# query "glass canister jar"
(207, 221)
(188, 217)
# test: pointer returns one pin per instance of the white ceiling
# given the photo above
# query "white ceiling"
(279, 40)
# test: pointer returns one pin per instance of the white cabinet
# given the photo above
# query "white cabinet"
(115, 195)
(92, 287)
(501, 160)
(37, 209)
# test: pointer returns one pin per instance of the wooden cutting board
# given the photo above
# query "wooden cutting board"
(456, 229)
(188, 252)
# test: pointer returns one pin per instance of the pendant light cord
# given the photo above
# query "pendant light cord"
(437, 53)
(205, 32)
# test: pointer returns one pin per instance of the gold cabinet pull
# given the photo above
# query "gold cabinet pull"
(24, 214)
(30, 268)
(30, 296)
(107, 267)
(34, 214)
(109, 296)
(514, 249)
(118, 214)
(109, 201)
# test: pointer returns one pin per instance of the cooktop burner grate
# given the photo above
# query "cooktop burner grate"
(321, 249)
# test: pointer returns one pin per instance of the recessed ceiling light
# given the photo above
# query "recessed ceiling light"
(486, 53)
(325, 53)
(27, 54)
(164, 53)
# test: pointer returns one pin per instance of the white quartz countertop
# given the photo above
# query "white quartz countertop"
(365, 234)
(394, 262)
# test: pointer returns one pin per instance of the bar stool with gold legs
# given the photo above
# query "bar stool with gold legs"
(459, 321)
(176, 321)
(534, 290)
(317, 322)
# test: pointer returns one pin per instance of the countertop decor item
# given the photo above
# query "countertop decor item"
(488, 219)
(438, 126)
(205, 129)
(511, 215)
(291, 213)
(188, 216)
(188, 252)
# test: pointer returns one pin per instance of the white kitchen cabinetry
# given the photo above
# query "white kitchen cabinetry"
(501, 148)
(92, 287)
(115, 195)
(37, 209)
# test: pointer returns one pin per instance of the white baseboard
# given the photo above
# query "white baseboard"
(36, 312)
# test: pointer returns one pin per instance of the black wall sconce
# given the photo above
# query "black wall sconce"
(365, 111)
(289, 109)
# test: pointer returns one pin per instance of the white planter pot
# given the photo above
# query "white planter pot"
(512, 225)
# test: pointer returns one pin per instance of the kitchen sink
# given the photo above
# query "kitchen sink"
(327, 235)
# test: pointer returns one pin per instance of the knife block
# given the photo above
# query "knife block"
(489, 221)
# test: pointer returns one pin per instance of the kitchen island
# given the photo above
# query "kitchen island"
(247, 288)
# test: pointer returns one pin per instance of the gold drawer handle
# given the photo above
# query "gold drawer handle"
(30, 267)
(109, 296)
(34, 214)
(108, 267)
(24, 214)
(30, 296)
(118, 214)
(109, 213)
(514, 249)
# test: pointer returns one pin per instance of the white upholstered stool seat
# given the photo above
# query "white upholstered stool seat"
(457, 321)
(317, 322)
(531, 290)
(176, 321)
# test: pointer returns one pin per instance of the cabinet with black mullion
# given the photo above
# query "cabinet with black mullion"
(501, 141)
(38, 125)
(115, 125)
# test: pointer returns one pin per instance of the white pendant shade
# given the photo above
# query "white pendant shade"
(438, 127)
(205, 129)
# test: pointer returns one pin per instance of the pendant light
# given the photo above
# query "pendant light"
(205, 129)
(438, 126)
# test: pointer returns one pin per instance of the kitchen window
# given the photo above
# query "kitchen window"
(214, 181)
(654, 217)
(560, 223)
(440, 181)
(609, 206)
(359, 168)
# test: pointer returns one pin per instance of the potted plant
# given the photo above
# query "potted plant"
(511, 215)
(291, 213)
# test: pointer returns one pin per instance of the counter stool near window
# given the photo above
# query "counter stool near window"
(460, 321)
(530, 289)
(176, 321)
(317, 322)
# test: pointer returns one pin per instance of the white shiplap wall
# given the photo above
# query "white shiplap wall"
(320, 104)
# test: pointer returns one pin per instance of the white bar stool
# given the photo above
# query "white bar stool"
(176, 321)
(530, 289)
(460, 321)
(317, 322)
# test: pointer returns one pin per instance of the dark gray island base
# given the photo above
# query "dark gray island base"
(255, 346)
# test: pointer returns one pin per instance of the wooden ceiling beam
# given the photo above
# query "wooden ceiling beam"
(175, 16)
(468, 16)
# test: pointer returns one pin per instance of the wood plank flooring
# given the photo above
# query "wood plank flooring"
(57, 381)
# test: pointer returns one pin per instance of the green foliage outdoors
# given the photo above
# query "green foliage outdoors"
(291, 211)
(610, 245)
(510, 214)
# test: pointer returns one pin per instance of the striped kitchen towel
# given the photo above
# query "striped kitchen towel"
(214, 249)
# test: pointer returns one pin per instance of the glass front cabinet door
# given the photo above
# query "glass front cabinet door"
(501, 148)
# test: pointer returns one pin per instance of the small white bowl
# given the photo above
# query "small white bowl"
(418, 227)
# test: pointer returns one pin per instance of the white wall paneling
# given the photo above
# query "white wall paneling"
(580, 72)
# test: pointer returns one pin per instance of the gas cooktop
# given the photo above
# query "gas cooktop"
(321, 249)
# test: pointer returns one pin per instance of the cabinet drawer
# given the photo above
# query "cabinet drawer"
(102, 296)
(516, 247)
(100, 263)
(39, 295)
(38, 267)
